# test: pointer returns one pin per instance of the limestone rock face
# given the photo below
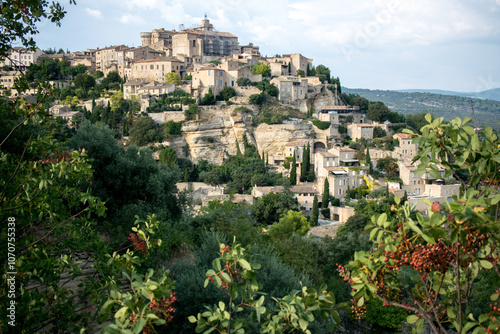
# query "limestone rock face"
(219, 128)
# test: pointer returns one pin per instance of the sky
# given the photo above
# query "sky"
(376, 44)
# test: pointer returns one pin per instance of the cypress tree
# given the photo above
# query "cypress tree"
(315, 212)
(238, 151)
(303, 170)
(326, 194)
(369, 160)
(293, 171)
(267, 159)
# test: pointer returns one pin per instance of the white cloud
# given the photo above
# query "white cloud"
(132, 19)
(94, 13)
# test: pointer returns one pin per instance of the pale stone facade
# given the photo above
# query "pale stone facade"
(204, 41)
(406, 149)
(291, 88)
(156, 69)
(21, 58)
(359, 130)
(296, 62)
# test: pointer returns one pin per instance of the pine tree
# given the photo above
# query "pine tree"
(326, 194)
(293, 171)
(315, 212)
(369, 160)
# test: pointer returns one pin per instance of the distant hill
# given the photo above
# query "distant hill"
(492, 94)
(441, 105)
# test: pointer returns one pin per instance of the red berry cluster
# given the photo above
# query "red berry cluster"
(56, 157)
(357, 311)
(140, 245)
(163, 309)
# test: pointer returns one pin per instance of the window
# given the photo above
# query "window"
(340, 182)
(151, 67)
(209, 73)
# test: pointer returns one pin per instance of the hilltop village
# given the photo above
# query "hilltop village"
(213, 98)
(193, 184)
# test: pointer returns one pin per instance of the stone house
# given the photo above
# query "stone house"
(406, 149)
(131, 87)
(297, 62)
(204, 41)
(291, 88)
(21, 58)
(156, 69)
(360, 130)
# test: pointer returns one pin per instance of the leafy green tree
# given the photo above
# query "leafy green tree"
(172, 128)
(130, 180)
(326, 194)
(388, 165)
(292, 223)
(378, 132)
(262, 68)
(144, 130)
(301, 73)
(84, 81)
(243, 81)
(267, 87)
(191, 112)
(271, 207)
(443, 255)
(98, 74)
(256, 99)
(208, 99)
(315, 212)
(323, 73)
(234, 271)
(168, 157)
(293, 171)
(227, 93)
(378, 112)
(173, 78)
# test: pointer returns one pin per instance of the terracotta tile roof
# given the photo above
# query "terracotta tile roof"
(403, 135)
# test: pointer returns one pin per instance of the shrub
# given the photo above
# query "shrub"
(321, 125)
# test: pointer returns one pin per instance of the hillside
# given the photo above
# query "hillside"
(491, 94)
(447, 106)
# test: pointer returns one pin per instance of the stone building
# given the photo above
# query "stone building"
(156, 69)
(200, 41)
(360, 130)
(291, 88)
(21, 58)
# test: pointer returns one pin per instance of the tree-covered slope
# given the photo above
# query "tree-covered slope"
(448, 106)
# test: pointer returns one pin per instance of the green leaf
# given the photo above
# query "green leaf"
(192, 319)
(468, 326)
(303, 324)
(216, 264)
(411, 319)
(361, 301)
(244, 263)
(428, 118)
(495, 199)
(451, 312)
(486, 264)
(225, 277)
(381, 219)
(121, 312)
(483, 317)
(494, 297)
